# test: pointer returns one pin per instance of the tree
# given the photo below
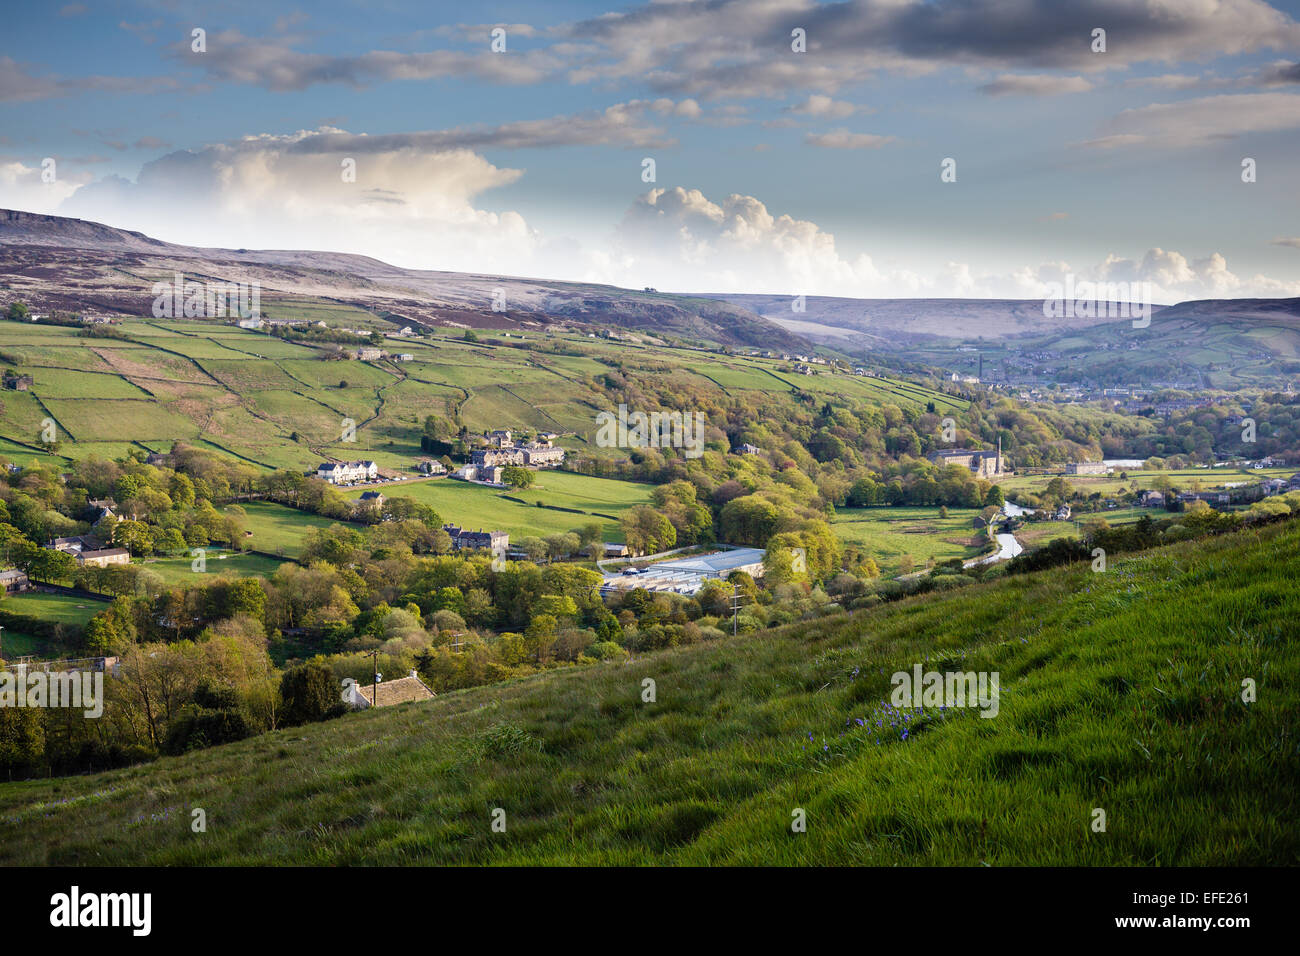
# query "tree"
(590, 538)
(22, 741)
(213, 717)
(309, 693)
(515, 477)
(135, 536)
(647, 530)
(18, 311)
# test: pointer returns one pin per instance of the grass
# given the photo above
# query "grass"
(279, 529)
(478, 506)
(180, 571)
(48, 606)
(18, 644)
(1120, 691)
(247, 392)
(887, 535)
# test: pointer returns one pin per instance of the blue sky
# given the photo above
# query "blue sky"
(776, 171)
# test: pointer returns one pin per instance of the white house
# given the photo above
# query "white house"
(341, 473)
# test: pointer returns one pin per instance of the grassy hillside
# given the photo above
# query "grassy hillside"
(279, 405)
(1120, 691)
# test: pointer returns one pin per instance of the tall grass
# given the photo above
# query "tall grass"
(1120, 691)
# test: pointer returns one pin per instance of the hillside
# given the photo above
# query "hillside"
(276, 403)
(1120, 691)
(54, 262)
(1210, 343)
(881, 321)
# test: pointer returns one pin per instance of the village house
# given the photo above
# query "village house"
(373, 500)
(431, 466)
(347, 472)
(11, 581)
(533, 454)
(103, 557)
(497, 541)
(75, 544)
(386, 693)
(748, 449)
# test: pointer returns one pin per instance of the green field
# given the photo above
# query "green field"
(478, 506)
(59, 608)
(1209, 478)
(180, 571)
(278, 404)
(19, 644)
(1119, 691)
(887, 534)
(279, 529)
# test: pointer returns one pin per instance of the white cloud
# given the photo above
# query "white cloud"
(843, 139)
(823, 106)
(409, 206)
(21, 187)
(1204, 120)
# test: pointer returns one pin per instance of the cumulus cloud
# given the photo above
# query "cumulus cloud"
(22, 186)
(410, 206)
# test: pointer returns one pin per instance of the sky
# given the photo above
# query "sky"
(768, 146)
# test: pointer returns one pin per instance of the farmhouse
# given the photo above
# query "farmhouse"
(1086, 468)
(461, 538)
(11, 581)
(75, 544)
(367, 354)
(983, 464)
(340, 473)
(387, 693)
(748, 449)
(103, 558)
(372, 499)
